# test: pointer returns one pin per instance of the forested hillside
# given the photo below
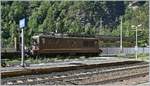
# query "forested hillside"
(86, 17)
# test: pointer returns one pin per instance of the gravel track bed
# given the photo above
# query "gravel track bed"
(58, 76)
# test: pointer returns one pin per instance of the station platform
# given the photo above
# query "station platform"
(56, 66)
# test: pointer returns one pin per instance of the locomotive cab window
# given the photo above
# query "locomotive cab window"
(43, 40)
(35, 42)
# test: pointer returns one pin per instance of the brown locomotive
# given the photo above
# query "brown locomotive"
(52, 45)
(64, 44)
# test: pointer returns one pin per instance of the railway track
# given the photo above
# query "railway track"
(92, 76)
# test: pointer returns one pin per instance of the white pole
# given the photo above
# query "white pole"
(121, 36)
(136, 43)
(15, 41)
(22, 49)
(149, 41)
(100, 24)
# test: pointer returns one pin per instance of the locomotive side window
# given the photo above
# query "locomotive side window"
(43, 40)
(88, 43)
(85, 43)
(95, 43)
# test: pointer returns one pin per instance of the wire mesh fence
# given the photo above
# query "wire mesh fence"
(129, 50)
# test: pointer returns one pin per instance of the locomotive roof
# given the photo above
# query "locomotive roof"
(60, 36)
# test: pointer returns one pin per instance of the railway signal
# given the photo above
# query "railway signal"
(22, 25)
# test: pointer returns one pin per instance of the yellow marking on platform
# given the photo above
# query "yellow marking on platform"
(73, 49)
(19, 81)
(29, 80)
(39, 79)
(55, 77)
(46, 78)
(63, 76)
(82, 73)
(9, 83)
(94, 72)
(88, 72)
(77, 74)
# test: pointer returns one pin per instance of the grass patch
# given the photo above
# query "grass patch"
(143, 57)
(140, 56)
(37, 60)
(13, 62)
